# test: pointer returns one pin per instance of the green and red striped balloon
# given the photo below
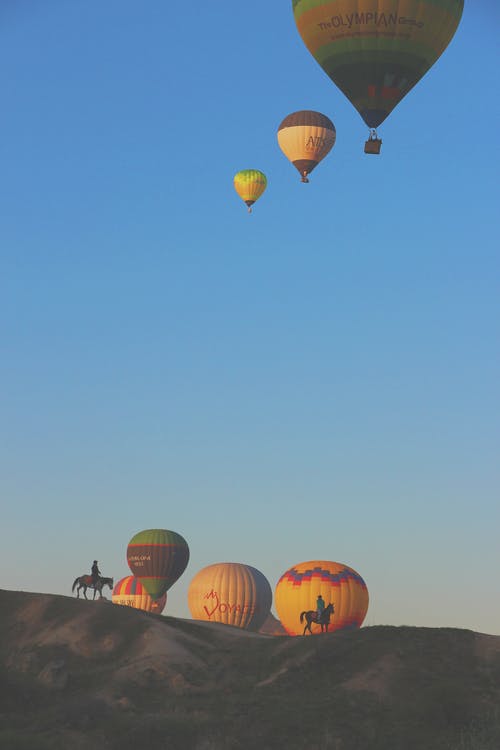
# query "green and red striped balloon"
(157, 557)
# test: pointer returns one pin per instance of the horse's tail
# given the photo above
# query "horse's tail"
(74, 584)
(302, 615)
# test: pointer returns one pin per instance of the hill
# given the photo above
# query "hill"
(78, 675)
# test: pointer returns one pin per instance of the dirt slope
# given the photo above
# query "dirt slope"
(92, 676)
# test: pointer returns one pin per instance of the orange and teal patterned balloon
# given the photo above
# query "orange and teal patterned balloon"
(129, 592)
(250, 184)
(306, 137)
(157, 557)
(298, 588)
(375, 51)
(230, 593)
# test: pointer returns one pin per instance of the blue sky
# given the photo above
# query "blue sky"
(316, 380)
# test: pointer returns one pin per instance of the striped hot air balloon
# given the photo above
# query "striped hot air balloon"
(375, 51)
(250, 184)
(298, 589)
(305, 138)
(157, 557)
(230, 593)
(129, 592)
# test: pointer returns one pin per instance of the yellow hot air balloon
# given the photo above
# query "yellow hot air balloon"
(230, 593)
(298, 589)
(305, 138)
(250, 184)
(375, 51)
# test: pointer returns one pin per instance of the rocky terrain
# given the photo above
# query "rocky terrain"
(78, 675)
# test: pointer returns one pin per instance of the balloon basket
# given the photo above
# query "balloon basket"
(372, 145)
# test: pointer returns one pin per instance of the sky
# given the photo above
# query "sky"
(316, 380)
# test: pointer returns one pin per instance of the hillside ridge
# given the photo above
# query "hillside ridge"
(85, 674)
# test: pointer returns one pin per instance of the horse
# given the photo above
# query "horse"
(312, 616)
(86, 582)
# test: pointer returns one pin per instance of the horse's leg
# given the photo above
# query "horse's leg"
(85, 591)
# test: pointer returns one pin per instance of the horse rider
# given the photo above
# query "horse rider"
(95, 573)
(320, 607)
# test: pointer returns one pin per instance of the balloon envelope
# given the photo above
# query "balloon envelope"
(230, 593)
(375, 51)
(250, 184)
(157, 557)
(129, 592)
(299, 587)
(272, 626)
(305, 138)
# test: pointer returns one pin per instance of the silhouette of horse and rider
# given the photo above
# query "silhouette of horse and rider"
(93, 581)
(321, 616)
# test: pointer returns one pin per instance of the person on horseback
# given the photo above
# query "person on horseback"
(95, 573)
(320, 606)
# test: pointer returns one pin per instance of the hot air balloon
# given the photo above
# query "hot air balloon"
(305, 138)
(157, 557)
(298, 588)
(375, 51)
(272, 626)
(230, 593)
(129, 592)
(250, 184)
